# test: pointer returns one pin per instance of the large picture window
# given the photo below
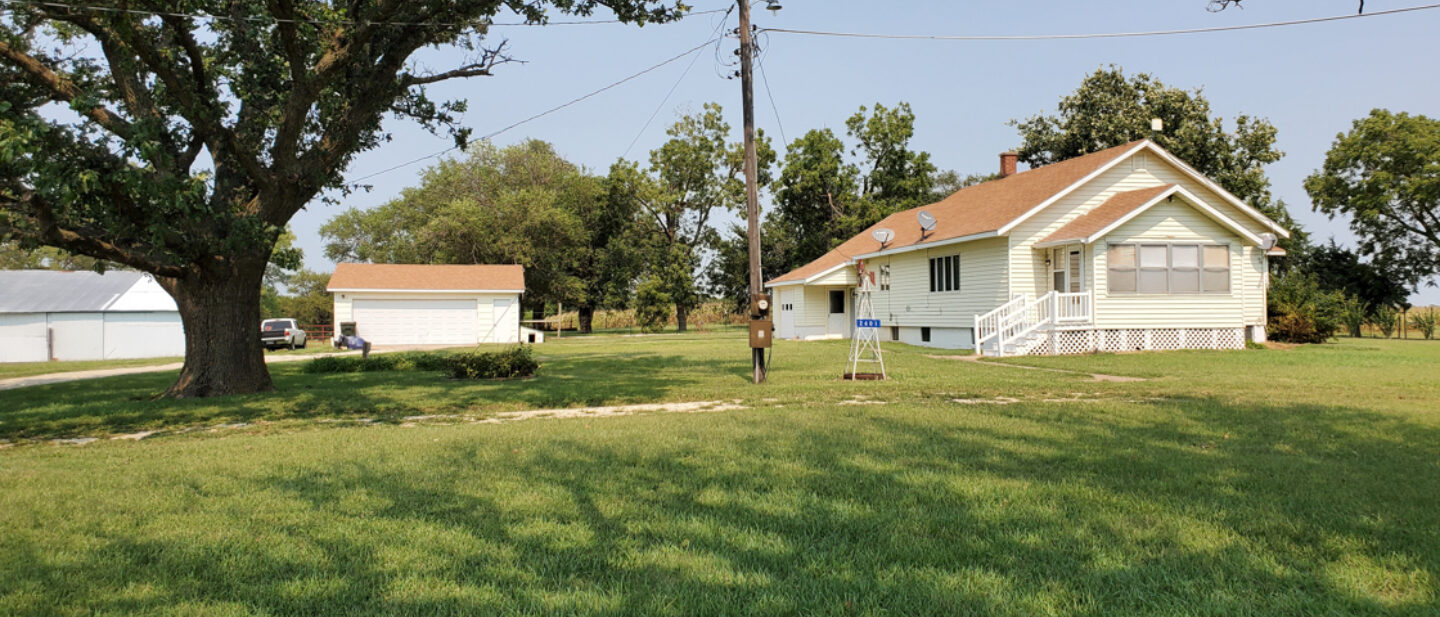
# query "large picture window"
(1168, 268)
(945, 273)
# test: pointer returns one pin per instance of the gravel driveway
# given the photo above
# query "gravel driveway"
(40, 380)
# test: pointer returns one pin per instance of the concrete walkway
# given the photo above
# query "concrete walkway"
(49, 378)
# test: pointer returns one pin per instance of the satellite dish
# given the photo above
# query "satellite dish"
(927, 220)
(883, 236)
(1268, 241)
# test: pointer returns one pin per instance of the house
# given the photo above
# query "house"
(53, 315)
(1124, 249)
(403, 304)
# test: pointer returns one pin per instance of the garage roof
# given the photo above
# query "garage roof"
(53, 291)
(427, 278)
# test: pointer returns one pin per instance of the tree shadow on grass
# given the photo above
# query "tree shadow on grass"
(126, 404)
(1017, 509)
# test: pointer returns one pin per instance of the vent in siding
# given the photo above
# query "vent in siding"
(1140, 162)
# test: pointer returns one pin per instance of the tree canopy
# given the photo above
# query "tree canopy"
(523, 204)
(1384, 175)
(1110, 108)
(823, 197)
(694, 173)
(181, 142)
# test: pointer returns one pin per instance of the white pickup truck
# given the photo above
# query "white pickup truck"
(277, 333)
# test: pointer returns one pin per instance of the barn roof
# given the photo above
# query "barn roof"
(54, 291)
(427, 277)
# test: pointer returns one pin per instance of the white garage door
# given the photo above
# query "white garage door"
(417, 322)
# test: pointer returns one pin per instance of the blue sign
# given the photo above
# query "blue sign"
(867, 323)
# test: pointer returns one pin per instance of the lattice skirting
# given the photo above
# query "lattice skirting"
(1071, 342)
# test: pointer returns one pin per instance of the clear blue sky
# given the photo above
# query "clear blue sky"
(1311, 81)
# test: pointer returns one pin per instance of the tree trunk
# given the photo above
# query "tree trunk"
(682, 316)
(221, 312)
(587, 318)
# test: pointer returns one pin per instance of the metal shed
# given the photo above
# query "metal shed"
(52, 315)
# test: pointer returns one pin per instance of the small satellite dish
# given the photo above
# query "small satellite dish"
(927, 220)
(883, 236)
(1268, 241)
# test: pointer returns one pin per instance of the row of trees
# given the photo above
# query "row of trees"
(645, 235)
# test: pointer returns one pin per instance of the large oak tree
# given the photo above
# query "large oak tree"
(179, 137)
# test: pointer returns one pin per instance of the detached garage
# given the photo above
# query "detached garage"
(403, 304)
(49, 315)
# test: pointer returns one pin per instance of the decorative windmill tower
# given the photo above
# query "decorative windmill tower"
(865, 346)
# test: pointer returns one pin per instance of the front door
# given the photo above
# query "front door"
(838, 322)
(786, 322)
(1067, 269)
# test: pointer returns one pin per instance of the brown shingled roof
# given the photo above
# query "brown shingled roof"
(1114, 209)
(978, 209)
(425, 277)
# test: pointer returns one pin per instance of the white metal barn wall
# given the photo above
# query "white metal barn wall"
(40, 337)
(143, 335)
(77, 336)
(22, 337)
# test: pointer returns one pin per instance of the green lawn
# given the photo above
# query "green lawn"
(1301, 482)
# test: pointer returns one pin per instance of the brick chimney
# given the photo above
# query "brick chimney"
(1008, 161)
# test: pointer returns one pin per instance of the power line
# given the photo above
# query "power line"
(1106, 35)
(543, 113)
(344, 22)
(673, 88)
(770, 94)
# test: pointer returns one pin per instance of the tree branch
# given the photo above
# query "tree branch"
(482, 68)
(64, 89)
(53, 234)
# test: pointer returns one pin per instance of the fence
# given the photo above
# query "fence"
(319, 332)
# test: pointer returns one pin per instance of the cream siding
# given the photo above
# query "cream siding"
(1179, 223)
(1140, 171)
(844, 276)
(489, 331)
(909, 301)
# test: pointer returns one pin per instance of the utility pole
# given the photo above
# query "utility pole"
(759, 305)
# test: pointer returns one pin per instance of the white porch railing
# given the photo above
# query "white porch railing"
(1017, 321)
(989, 325)
(1072, 308)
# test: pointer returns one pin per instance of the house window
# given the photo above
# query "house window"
(1168, 268)
(1154, 269)
(945, 273)
(1076, 272)
(837, 302)
(1057, 269)
(1121, 258)
(894, 333)
(1216, 275)
(925, 335)
(885, 277)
